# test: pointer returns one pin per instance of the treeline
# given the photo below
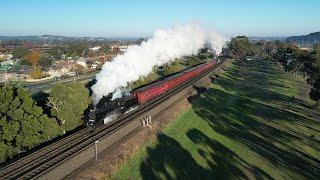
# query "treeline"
(306, 63)
(292, 58)
(241, 48)
(24, 124)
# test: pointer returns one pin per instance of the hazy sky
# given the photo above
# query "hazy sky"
(136, 18)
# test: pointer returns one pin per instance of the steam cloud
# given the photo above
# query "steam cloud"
(163, 47)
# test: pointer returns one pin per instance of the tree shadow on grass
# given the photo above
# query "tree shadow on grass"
(238, 121)
(224, 163)
(169, 160)
(248, 116)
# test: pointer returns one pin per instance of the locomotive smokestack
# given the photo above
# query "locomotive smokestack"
(163, 47)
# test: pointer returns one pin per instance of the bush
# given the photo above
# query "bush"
(36, 73)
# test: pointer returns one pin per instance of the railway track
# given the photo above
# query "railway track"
(29, 161)
(51, 156)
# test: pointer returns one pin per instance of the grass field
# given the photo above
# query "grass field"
(246, 126)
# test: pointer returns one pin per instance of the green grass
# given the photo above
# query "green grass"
(246, 126)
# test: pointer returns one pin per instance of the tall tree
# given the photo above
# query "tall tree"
(291, 57)
(23, 124)
(313, 69)
(68, 102)
(239, 47)
(312, 66)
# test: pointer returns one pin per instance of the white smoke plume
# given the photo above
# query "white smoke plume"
(164, 46)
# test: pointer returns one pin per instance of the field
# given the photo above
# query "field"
(254, 122)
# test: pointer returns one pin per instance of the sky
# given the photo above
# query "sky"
(139, 18)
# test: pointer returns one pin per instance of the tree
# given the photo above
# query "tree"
(105, 49)
(239, 47)
(291, 58)
(33, 58)
(45, 61)
(56, 52)
(296, 60)
(77, 49)
(36, 72)
(67, 103)
(312, 68)
(173, 68)
(193, 60)
(22, 124)
(312, 65)
(20, 52)
(315, 91)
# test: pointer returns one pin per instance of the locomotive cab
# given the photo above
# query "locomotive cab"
(92, 118)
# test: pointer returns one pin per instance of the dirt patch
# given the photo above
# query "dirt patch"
(109, 160)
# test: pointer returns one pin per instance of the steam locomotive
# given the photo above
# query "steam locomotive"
(106, 109)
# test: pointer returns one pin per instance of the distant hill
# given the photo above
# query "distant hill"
(52, 37)
(6, 38)
(266, 38)
(64, 38)
(309, 39)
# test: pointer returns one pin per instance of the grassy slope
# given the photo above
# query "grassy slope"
(246, 126)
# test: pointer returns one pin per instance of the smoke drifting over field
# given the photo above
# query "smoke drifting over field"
(163, 47)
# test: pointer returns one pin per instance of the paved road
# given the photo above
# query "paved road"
(42, 86)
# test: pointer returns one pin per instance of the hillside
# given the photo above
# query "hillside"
(246, 126)
(309, 39)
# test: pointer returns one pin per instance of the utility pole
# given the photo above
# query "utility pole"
(73, 73)
(96, 149)
(6, 75)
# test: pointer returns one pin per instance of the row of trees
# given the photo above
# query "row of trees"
(240, 48)
(307, 63)
(292, 58)
(24, 124)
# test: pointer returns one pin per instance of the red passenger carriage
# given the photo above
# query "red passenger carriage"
(149, 92)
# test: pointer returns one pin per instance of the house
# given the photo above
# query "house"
(59, 70)
(7, 56)
(95, 48)
(5, 65)
(121, 48)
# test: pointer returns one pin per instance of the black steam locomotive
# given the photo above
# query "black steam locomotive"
(107, 107)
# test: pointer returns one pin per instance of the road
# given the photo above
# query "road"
(36, 87)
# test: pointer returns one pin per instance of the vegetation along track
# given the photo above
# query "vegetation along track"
(41, 161)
